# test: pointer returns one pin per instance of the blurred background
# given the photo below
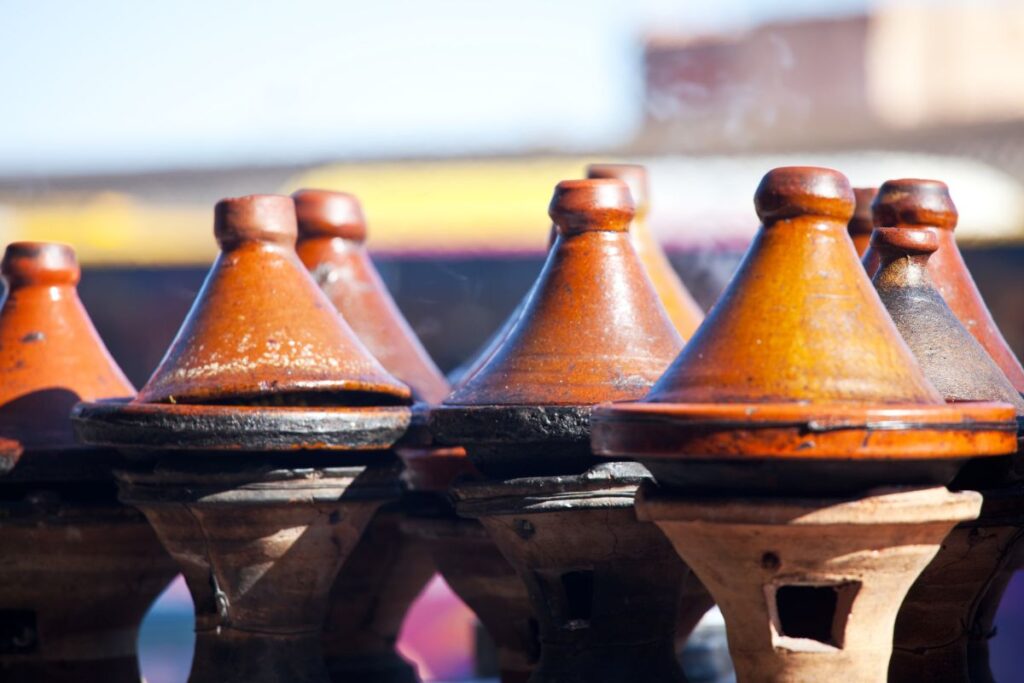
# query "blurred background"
(122, 123)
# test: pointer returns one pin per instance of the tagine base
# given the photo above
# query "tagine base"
(371, 595)
(259, 548)
(76, 581)
(604, 586)
(946, 620)
(481, 577)
(810, 588)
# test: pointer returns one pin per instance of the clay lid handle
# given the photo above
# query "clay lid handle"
(601, 205)
(39, 263)
(893, 243)
(804, 191)
(911, 201)
(266, 218)
(322, 213)
(635, 177)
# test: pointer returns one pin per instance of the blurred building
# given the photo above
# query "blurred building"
(937, 77)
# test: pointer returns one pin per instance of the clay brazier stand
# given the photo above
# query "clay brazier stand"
(464, 553)
(263, 447)
(79, 569)
(605, 588)
(845, 445)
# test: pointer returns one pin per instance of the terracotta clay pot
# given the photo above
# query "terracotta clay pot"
(798, 371)
(604, 588)
(264, 447)
(70, 547)
(927, 203)
(944, 625)
(861, 225)
(388, 568)
(808, 564)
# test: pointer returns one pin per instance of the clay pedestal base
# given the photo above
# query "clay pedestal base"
(368, 602)
(483, 579)
(75, 582)
(810, 588)
(259, 549)
(605, 587)
(945, 623)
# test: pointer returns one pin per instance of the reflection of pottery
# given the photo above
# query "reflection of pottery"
(944, 624)
(69, 548)
(927, 203)
(388, 568)
(860, 225)
(483, 579)
(810, 588)
(604, 588)
(264, 442)
(798, 382)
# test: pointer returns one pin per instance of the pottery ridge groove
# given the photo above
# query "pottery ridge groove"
(592, 329)
(861, 224)
(952, 360)
(52, 357)
(261, 329)
(927, 203)
(679, 304)
(332, 232)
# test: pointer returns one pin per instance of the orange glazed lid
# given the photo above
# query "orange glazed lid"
(260, 330)
(592, 329)
(799, 360)
(332, 232)
(51, 356)
(682, 310)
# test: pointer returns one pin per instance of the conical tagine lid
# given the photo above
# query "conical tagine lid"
(332, 236)
(261, 331)
(861, 225)
(682, 310)
(799, 359)
(592, 329)
(51, 356)
(927, 203)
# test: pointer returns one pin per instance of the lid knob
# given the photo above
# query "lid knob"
(602, 205)
(39, 263)
(268, 218)
(912, 201)
(794, 191)
(634, 175)
(322, 213)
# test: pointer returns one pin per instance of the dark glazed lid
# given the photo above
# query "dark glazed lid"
(682, 310)
(861, 225)
(591, 330)
(260, 328)
(51, 356)
(799, 359)
(926, 203)
(332, 232)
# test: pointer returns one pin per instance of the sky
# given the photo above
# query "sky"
(123, 85)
